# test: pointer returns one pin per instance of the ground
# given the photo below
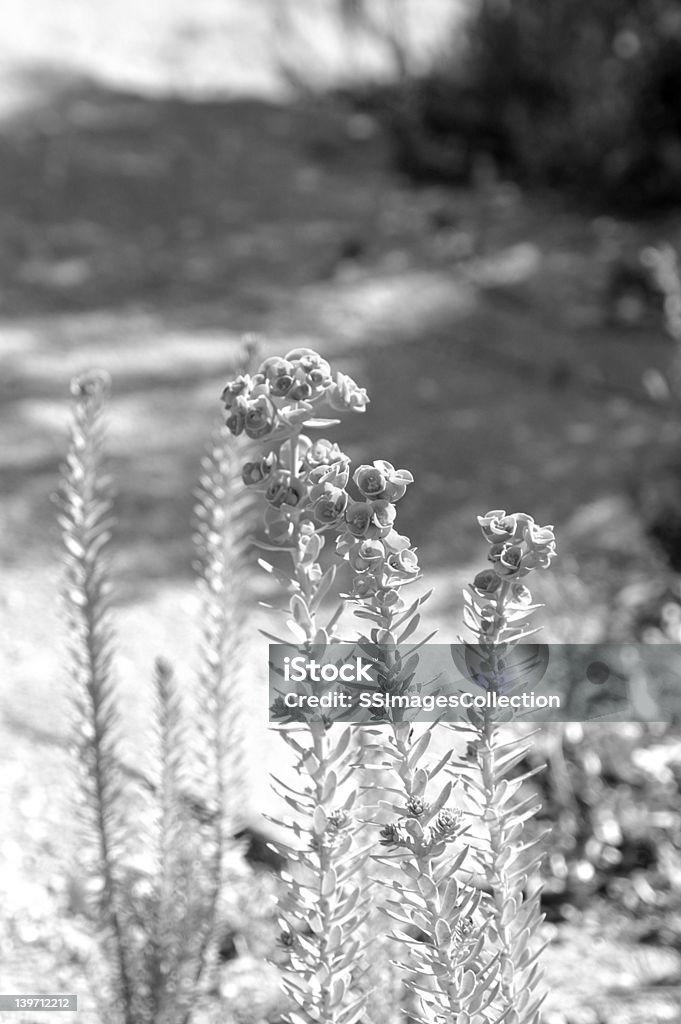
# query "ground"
(144, 234)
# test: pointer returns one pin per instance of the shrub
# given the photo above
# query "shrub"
(580, 95)
(155, 849)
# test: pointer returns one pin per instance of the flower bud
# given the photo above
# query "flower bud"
(259, 418)
(447, 824)
(395, 542)
(345, 394)
(521, 594)
(370, 481)
(363, 586)
(383, 514)
(368, 554)
(236, 388)
(358, 517)
(323, 453)
(397, 480)
(487, 582)
(510, 560)
(388, 598)
(274, 368)
(416, 807)
(308, 361)
(300, 391)
(281, 490)
(252, 473)
(329, 507)
(280, 529)
(235, 423)
(404, 563)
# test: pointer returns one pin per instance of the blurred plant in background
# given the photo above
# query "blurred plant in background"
(156, 847)
(582, 96)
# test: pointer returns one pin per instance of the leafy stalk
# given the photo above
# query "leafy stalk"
(303, 483)
(85, 521)
(448, 968)
(498, 607)
(322, 915)
(158, 883)
(167, 950)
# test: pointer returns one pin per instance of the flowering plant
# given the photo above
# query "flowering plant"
(310, 494)
(470, 954)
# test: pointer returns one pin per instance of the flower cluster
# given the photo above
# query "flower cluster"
(416, 807)
(447, 825)
(306, 483)
(517, 547)
(392, 835)
(382, 560)
(337, 822)
(414, 835)
(303, 480)
(284, 391)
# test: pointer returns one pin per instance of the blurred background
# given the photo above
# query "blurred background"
(474, 208)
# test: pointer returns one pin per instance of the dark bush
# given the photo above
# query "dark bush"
(584, 95)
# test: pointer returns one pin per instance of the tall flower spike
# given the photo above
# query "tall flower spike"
(86, 529)
(222, 516)
(498, 606)
(423, 846)
(303, 485)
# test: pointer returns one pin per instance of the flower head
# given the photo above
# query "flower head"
(278, 373)
(282, 490)
(358, 517)
(416, 807)
(370, 481)
(367, 554)
(345, 394)
(236, 388)
(336, 821)
(509, 560)
(278, 525)
(252, 473)
(387, 598)
(392, 835)
(397, 480)
(324, 453)
(364, 587)
(383, 514)
(447, 824)
(487, 582)
(404, 563)
(259, 417)
(498, 527)
(395, 542)
(328, 504)
(308, 360)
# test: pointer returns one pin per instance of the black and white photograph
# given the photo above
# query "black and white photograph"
(340, 511)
